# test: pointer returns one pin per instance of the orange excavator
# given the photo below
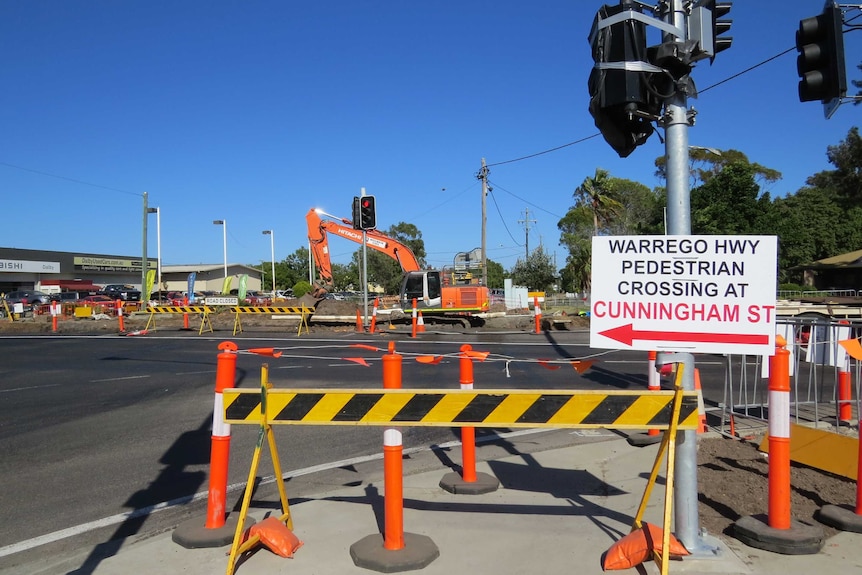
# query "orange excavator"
(425, 286)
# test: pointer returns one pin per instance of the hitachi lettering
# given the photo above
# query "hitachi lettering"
(658, 245)
(682, 267)
(667, 288)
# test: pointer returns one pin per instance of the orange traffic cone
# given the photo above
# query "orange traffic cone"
(701, 409)
(420, 324)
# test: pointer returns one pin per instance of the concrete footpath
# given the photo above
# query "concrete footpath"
(555, 512)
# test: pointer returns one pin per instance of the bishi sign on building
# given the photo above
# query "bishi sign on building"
(700, 294)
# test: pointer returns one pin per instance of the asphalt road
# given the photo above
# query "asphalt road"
(117, 427)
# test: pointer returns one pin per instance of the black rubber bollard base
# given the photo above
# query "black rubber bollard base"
(454, 483)
(643, 439)
(800, 539)
(418, 552)
(193, 534)
(841, 517)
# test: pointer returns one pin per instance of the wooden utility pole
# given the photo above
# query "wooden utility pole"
(483, 176)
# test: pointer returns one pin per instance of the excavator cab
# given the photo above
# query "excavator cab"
(425, 286)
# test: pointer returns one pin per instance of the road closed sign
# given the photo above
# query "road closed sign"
(699, 294)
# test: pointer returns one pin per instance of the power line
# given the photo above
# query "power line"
(70, 179)
(527, 157)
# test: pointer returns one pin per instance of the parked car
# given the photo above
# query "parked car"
(121, 291)
(27, 297)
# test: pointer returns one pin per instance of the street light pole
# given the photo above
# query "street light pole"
(271, 235)
(223, 224)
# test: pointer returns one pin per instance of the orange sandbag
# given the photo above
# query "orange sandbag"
(276, 536)
(637, 547)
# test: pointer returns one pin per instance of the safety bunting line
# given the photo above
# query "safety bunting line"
(579, 365)
(442, 407)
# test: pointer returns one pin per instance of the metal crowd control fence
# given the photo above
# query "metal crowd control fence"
(821, 372)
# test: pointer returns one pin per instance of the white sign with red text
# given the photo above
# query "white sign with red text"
(700, 294)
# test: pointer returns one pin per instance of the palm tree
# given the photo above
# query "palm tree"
(595, 192)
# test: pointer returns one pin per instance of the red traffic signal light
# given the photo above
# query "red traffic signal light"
(367, 213)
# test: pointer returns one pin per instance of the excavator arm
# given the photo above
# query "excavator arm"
(318, 230)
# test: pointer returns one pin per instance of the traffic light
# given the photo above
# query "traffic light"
(367, 213)
(820, 62)
(706, 27)
(356, 220)
(622, 103)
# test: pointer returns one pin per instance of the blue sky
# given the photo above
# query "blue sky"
(253, 112)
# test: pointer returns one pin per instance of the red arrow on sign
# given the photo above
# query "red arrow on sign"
(626, 333)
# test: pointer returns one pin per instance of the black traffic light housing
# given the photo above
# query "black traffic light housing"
(621, 102)
(707, 26)
(356, 220)
(367, 213)
(820, 63)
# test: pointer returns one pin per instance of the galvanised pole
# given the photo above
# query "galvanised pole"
(686, 520)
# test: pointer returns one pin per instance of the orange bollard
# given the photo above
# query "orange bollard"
(414, 318)
(186, 314)
(779, 436)
(220, 450)
(468, 434)
(845, 398)
(393, 488)
(374, 316)
(701, 409)
(120, 315)
(653, 381)
(55, 311)
(537, 312)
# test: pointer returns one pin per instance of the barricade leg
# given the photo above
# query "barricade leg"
(651, 436)
(217, 529)
(779, 533)
(396, 550)
(469, 482)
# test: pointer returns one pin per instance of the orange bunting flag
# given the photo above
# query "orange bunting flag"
(480, 355)
(582, 366)
(265, 351)
(363, 346)
(852, 347)
(544, 363)
(432, 359)
(359, 360)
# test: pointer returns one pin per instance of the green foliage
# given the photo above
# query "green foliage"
(536, 272)
(301, 288)
(496, 275)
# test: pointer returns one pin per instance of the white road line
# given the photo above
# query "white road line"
(121, 517)
(120, 378)
(31, 387)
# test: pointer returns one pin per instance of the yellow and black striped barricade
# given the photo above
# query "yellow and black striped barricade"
(448, 408)
(203, 310)
(668, 410)
(303, 312)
